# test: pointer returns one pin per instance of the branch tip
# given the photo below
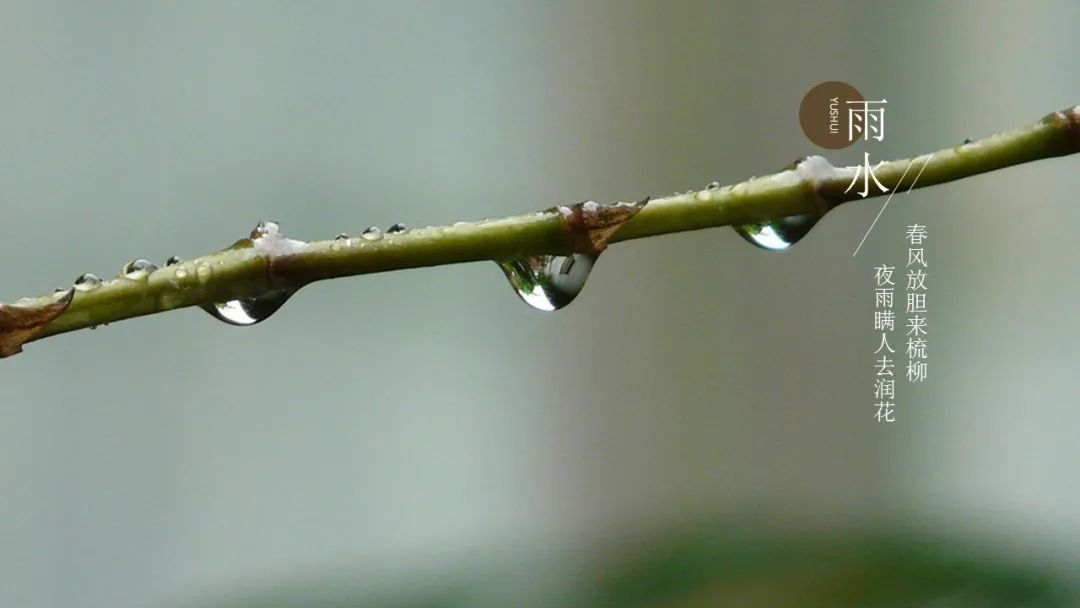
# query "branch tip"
(1068, 122)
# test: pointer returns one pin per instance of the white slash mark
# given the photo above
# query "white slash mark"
(889, 198)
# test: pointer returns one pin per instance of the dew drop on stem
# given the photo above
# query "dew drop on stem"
(265, 228)
(249, 311)
(87, 281)
(778, 235)
(137, 266)
(549, 282)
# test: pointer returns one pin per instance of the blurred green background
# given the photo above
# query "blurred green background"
(391, 431)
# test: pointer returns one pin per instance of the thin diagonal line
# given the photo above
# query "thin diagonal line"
(882, 210)
(889, 198)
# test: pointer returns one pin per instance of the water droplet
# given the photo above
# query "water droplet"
(172, 260)
(778, 235)
(371, 234)
(138, 267)
(249, 311)
(87, 281)
(340, 241)
(549, 282)
(265, 228)
(713, 186)
(396, 228)
(967, 140)
(181, 273)
(795, 163)
(204, 271)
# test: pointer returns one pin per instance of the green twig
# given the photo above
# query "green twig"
(252, 268)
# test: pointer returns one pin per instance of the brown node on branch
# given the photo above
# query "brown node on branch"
(591, 225)
(1068, 120)
(20, 324)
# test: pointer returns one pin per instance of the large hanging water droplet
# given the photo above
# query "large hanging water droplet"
(778, 235)
(549, 282)
(249, 311)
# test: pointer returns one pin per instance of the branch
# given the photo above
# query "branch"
(251, 279)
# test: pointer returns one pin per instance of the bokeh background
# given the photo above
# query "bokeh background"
(381, 429)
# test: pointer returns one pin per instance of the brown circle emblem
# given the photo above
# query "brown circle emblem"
(823, 114)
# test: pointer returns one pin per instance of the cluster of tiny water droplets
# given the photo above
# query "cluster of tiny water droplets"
(136, 270)
(370, 234)
(241, 311)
